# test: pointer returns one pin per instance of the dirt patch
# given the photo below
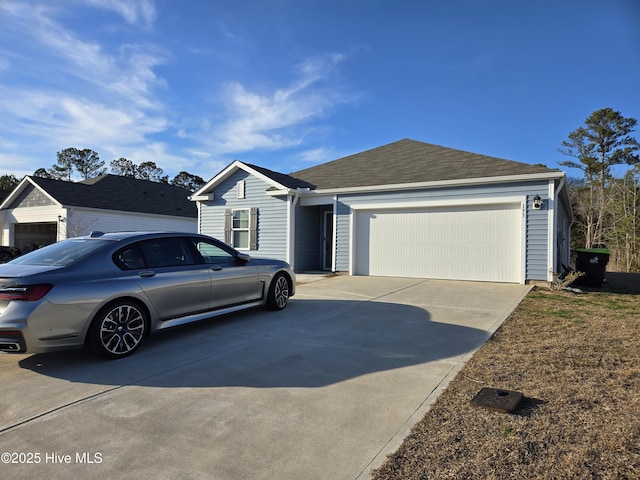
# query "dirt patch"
(575, 357)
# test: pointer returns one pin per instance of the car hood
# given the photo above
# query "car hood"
(268, 261)
(9, 272)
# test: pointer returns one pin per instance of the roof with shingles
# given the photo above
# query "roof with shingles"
(289, 181)
(410, 161)
(114, 192)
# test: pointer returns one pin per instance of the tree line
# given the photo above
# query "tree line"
(606, 207)
(85, 163)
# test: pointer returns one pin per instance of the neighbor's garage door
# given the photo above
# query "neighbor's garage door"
(460, 243)
(30, 236)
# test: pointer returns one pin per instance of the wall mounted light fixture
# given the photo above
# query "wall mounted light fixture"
(60, 218)
(537, 202)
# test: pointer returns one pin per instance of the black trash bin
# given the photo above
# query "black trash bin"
(593, 262)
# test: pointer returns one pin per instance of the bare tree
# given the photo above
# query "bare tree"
(623, 236)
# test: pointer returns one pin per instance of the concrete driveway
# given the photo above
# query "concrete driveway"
(322, 390)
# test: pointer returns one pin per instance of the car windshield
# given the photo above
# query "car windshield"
(62, 253)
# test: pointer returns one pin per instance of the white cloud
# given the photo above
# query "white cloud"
(127, 72)
(272, 120)
(160, 153)
(60, 121)
(317, 155)
(135, 12)
(88, 95)
(64, 87)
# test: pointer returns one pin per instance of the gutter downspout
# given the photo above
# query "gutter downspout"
(334, 237)
(552, 229)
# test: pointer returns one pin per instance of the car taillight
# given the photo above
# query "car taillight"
(28, 293)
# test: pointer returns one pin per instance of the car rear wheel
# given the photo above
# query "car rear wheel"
(278, 295)
(118, 329)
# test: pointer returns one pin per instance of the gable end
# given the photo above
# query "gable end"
(31, 197)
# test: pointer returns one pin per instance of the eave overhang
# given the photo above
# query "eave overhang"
(463, 182)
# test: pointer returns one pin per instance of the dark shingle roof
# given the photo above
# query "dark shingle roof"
(113, 192)
(288, 181)
(410, 161)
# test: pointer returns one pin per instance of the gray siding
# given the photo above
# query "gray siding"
(31, 197)
(536, 220)
(537, 238)
(343, 235)
(272, 213)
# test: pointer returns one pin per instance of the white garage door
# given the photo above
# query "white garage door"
(482, 242)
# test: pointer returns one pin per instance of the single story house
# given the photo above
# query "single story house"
(40, 211)
(407, 209)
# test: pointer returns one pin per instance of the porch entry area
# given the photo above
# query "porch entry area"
(314, 238)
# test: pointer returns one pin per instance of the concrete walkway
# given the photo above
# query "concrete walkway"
(322, 390)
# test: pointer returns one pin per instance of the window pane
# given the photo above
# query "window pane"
(165, 252)
(62, 253)
(212, 253)
(241, 239)
(130, 258)
(241, 219)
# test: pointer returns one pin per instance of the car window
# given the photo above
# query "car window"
(62, 253)
(129, 258)
(212, 253)
(165, 252)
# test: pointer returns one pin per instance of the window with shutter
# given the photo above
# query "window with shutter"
(240, 228)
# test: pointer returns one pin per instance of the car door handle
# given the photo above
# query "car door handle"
(147, 274)
(216, 268)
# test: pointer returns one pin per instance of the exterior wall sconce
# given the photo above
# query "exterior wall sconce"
(60, 218)
(537, 202)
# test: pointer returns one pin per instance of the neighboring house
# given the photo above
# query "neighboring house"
(40, 211)
(407, 209)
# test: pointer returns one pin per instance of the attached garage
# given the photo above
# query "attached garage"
(462, 242)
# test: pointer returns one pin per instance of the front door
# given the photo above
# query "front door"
(327, 241)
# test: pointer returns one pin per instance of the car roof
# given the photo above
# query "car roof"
(134, 235)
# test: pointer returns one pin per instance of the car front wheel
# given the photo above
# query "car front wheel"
(118, 329)
(278, 295)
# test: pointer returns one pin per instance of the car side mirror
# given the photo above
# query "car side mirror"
(243, 257)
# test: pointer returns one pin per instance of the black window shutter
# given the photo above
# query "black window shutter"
(227, 226)
(253, 229)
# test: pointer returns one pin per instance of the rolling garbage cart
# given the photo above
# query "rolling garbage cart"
(593, 262)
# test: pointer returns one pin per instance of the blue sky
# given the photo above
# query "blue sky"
(287, 84)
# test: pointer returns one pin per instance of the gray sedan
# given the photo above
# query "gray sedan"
(108, 291)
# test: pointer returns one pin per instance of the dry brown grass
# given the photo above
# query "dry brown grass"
(576, 358)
